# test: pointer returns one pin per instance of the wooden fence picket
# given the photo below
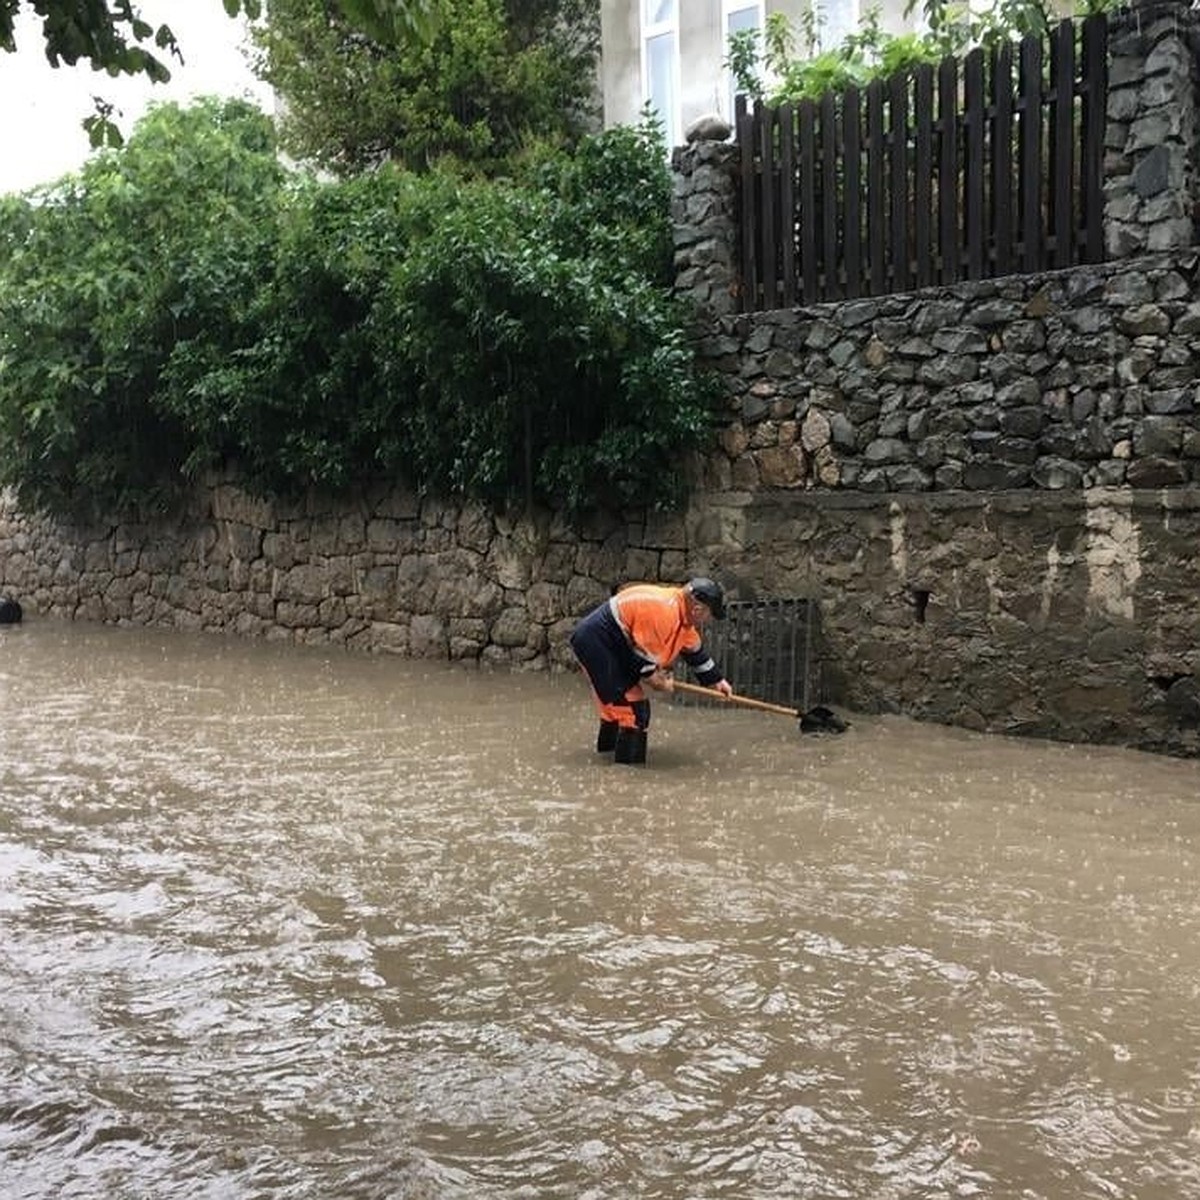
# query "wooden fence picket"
(967, 171)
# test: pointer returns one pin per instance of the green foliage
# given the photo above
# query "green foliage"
(287, 382)
(495, 76)
(387, 22)
(742, 61)
(88, 301)
(613, 200)
(870, 53)
(542, 374)
(112, 36)
(181, 305)
(902, 53)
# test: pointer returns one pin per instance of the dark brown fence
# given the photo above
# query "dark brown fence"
(988, 166)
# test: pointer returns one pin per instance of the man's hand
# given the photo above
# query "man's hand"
(723, 686)
(660, 681)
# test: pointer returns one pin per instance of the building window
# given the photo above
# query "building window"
(838, 18)
(737, 16)
(660, 64)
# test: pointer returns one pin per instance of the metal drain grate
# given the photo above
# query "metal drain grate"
(768, 649)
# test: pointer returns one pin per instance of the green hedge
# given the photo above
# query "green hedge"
(184, 303)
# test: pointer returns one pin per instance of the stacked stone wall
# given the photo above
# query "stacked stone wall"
(1065, 614)
(1079, 378)
(380, 570)
(1151, 180)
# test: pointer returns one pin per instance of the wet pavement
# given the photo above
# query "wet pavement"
(281, 922)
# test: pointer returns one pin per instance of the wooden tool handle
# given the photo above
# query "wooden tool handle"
(694, 689)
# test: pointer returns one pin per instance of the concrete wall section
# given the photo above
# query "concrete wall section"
(701, 54)
(620, 62)
(1064, 615)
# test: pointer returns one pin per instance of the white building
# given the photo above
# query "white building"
(671, 52)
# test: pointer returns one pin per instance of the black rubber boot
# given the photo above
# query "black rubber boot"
(631, 746)
(606, 739)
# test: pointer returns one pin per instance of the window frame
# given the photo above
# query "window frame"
(648, 30)
(855, 16)
(728, 9)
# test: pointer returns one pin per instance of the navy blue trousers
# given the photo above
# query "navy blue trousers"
(609, 660)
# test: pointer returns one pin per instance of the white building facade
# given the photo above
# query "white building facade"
(671, 53)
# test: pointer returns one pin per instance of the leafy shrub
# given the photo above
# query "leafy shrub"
(182, 305)
(541, 375)
(951, 29)
(611, 201)
(90, 301)
(496, 74)
(288, 385)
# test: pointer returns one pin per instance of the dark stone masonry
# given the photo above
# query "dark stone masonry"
(1081, 378)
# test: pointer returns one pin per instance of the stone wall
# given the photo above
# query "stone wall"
(1067, 614)
(991, 487)
(379, 570)
(1080, 378)
(1152, 137)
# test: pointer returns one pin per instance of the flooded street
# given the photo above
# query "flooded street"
(281, 922)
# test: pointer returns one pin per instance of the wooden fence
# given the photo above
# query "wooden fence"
(989, 166)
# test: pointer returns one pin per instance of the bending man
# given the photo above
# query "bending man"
(634, 638)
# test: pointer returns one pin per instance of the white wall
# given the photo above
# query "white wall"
(703, 85)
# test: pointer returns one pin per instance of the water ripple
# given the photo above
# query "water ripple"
(294, 925)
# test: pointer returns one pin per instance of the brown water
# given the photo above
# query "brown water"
(282, 923)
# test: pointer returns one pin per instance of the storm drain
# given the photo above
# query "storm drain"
(768, 649)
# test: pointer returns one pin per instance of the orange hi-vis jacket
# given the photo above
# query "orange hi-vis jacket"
(654, 619)
(642, 629)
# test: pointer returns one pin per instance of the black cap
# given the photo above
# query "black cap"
(709, 592)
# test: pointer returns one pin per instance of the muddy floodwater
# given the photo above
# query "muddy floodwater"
(280, 922)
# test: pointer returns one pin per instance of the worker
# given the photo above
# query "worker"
(633, 639)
